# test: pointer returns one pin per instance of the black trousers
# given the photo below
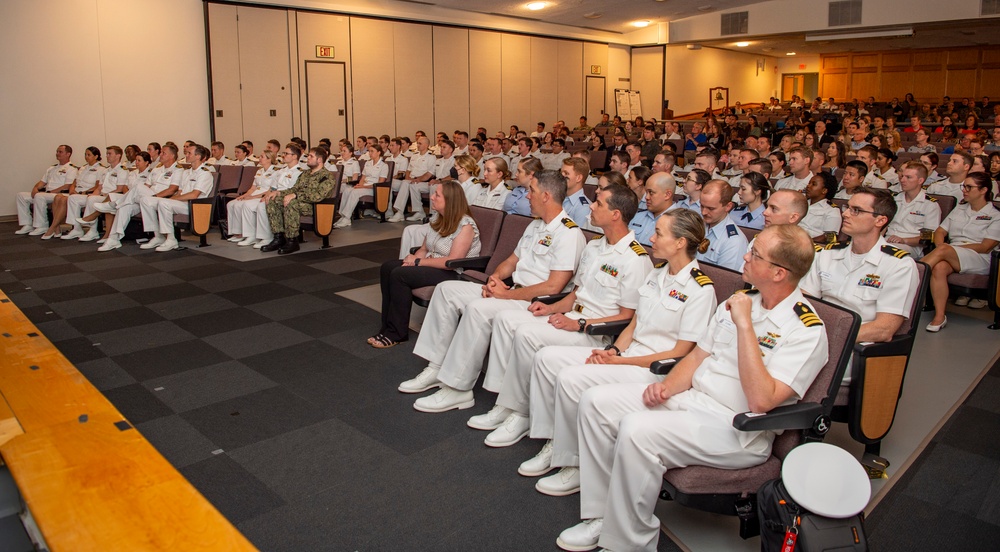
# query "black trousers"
(398, 283)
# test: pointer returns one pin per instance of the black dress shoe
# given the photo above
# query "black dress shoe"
(290, 247)
(277, 243)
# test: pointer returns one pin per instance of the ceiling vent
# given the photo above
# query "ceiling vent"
(735, 23)
(847, 12)
(990, 7)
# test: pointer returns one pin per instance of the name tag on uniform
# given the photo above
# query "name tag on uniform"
(825, 275)
(727, 323)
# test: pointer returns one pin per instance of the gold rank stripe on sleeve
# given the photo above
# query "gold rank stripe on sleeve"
(568, 223)
(806, 315)
(895, 251)
(701, 278)
(638, 248)
(818, 247)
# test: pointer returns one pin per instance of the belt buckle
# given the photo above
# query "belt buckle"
(578, 307)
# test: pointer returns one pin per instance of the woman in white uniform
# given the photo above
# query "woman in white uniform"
(375, 171)
(974, 228)
(87, 178)
(495, 175)
(676, 303)
(468, 172)
(115, 179)
(242, 154)
(242, 211)
(286, 178)
(822, 219)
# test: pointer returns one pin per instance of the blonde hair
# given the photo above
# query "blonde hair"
(468, 163)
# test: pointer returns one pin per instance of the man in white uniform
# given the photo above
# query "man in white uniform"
(375, 171)
(612, 268)
(113, 180)
(420, 171)
(915, 211)
(799, 160)
(542, 264)
(762, 349)
(402, 163)
(56, 180)
(869, 276)
(959, 165)
(219, 155)
(163, 182)
(158, 212)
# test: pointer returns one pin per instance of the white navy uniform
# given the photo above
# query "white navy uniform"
(578, 207)
(888, 179)
(946, 187)
(134, 179)
(113, 178)
(471, 187)
(160, 179)
(242, 215)
(791, 183)
(491, 198)
(922, 212)
(822, 217)
(625, 446)
(419, 166)
(882, 280)
(351, 195)
(158, 212)
(749, 219)
(671, 308)
(86, 180)
(728, 245)
(607, 281)
(222, 161)
(402, 162)
(965, 226)
(456, 345)
(351, 168)
(55, 177)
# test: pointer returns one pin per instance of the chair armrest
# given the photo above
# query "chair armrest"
(663, 367)
(549, 299)
(476, 263)
(901, 345)
(199, 200)
(607, 328)
(414, 249)
(793, 416)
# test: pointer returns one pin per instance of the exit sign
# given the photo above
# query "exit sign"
(324, 51)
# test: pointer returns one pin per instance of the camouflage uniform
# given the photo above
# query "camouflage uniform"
(311, 187)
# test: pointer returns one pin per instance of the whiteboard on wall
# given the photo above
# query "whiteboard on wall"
(627, 104)
(633, 100)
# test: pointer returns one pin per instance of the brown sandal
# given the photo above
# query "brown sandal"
(382, 342)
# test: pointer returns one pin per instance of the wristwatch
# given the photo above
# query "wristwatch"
(583, 324)
(615, 348)
(416, 261)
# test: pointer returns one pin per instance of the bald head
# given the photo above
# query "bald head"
(719, 188)
(785, 207)
(662, 182)
(660, 192)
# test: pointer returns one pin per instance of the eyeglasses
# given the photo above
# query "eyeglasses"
(755, 255)
(856, 211)
(967, 188)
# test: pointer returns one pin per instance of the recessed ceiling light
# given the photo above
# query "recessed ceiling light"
(768, 49)
(705, 8)
(742, 44)
(535, 6)
(593, 15)
(641, 24)
(789, 53)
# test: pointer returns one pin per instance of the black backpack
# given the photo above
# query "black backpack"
(782, 520)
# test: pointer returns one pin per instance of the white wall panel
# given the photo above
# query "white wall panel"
(373, 75)
(225, 51)
(571, 75)
(647, 78)
(544, 84)
(265, 75)
(314, 29)
(515, 100)
(484, 80)
(414, 79)
(451, 79)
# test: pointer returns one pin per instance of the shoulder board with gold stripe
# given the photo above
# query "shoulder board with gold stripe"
(597, 237)
(701, 278)
(895, 251)
(509, 187)
(836, 245)
(934, 199)
(638, 248)
(568, 223)
(748, 291)
(660, 264)
(806, 315)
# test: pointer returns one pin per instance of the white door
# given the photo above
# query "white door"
(326, 101)
(596, 98)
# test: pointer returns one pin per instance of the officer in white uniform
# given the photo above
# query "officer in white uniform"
(375, 171)
(163, 181)
(728, 243)
(494, 190)
(630, 433)
(611, 270)
(914, 211)
(158, 212)
(56, 179)
(543, 263)
(822, 217)
(402, 164)
(241, 212)
(286, 179)
(874, 279)
(87, 179)
(421, 170)
(115, 178)
(964, 226)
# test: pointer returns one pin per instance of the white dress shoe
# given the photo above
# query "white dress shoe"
(514, 428)
(247, 242)
(540, 464)
(91, 235)
(37, 232)
(582, 536)
(106, 207)
(563, 483)
(110, 245)
(102, 240)
(261, 243)
(962, 301)
(397, 217)
(26, 229)
(977, 303)
(427, 379)
(169, 245)
(934, 328)
(491, 420)
(235, 239)
(50, 236)
(446, 398)
(344, 222)
(77, 232)
(416, 217)
(155, 242)
(84, 222)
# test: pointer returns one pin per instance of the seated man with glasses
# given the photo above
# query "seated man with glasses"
(867, 275)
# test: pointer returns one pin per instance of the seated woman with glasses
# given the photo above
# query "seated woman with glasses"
(453, 234)
(974, 229)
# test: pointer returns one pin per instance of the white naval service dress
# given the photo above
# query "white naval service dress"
(419, 166)
(86, 180)
(671, 308)
(160, 179)
(607, 281)
(457, 345)
(922, 212)
(262, 229)
(242, 215)
(55, 177)
(625, 447)
(158, 212)
(113, 178)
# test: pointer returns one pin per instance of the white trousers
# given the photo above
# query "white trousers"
(410, 190)
(243, 218)
(77, 203)
(456, 331)
(158, 213)
(517, 336)
(351, 196)
(123, 215)
(414, 235)
(39, 204)
(626, 447)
